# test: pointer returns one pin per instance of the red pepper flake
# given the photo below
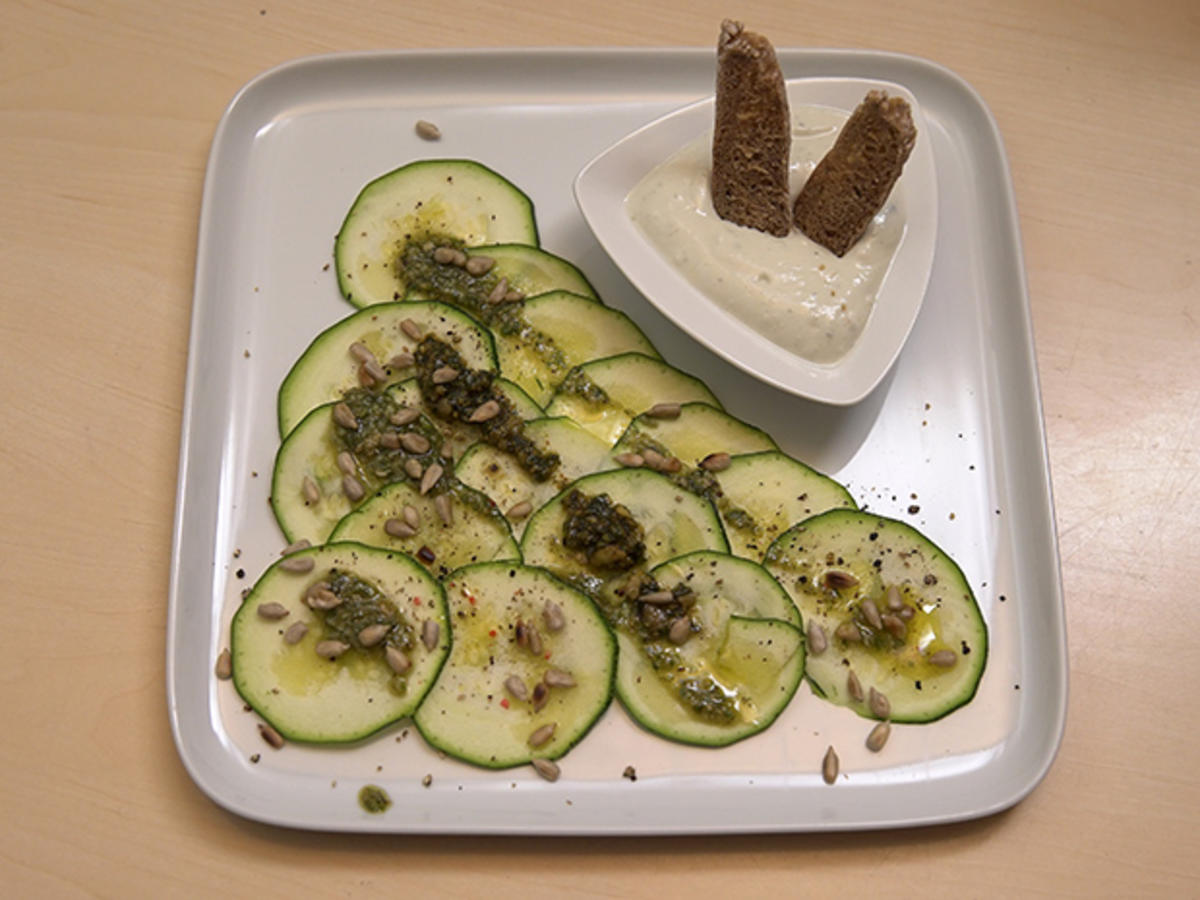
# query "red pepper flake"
(547, 654)
(470, 599)
(504, 702)
(416, 601)
(492, 633)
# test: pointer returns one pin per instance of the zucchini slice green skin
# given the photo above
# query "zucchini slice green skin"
(832, 563)
(746, 638)
(327, 367)
(312, 699)
(454, 199)
(472, 712)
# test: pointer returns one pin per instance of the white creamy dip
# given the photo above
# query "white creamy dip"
(791, 290)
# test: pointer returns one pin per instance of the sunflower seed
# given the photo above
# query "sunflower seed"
(515, 686)
(443, 255)
(411, 329)
(817, 639)
(414, 442)
(664, 411)
(375, 370)
(854, 687)
(414, 468)
(894, 600)
(402, 360)
(427, 781)
(541, 696)
(513, 296)
(373, 634)
(878, 737)
(295, 633)
(557, 678)
(487, 410)
(498, 292)
(680, 630)
(871, 613)
(479, 265)
(829, 766)
(430, 478)
(716, 462)
(405, 415)
(630, 460)
(390, 440)
(312, 493)
(444, 375)
(548, 769)
(879, 704)
(396, 660)
(361, 352)
(837, 580)
(270, 735)
(224, 667)
(535, 641)
(344, 416)
(543, 734)
(657, 597)
(906, 613)
(297, 565)
(519, 510)
(272, 611)
(848, 631)
(353, 488)
(552, 615)
(944, 658)
(427, 131)
(295, 547)
(345, 462)
(660, 463)
(398, 528)
(444, 508)
(430, 632)
(323, 599)
(332, 649)
(896, 626)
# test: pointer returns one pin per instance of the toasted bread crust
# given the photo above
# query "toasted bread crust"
(852, 182)
(751, 135)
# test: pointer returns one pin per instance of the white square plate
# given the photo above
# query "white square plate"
(950, 441)
(604, 185)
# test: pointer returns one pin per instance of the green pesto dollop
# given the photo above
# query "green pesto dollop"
(374, 799)
(363, 604)
(458, 399)
(580, 385)
(378, 463)
(604, 532)
(708, 699)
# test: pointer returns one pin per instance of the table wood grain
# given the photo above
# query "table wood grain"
(107, 111)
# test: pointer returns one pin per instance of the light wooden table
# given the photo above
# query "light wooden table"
(106, 114)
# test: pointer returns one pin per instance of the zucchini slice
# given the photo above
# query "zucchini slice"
(438, 200)
(525, 269)
(497, 473)
(312, 698)
(329, 366)
(308, 485)
(764, 494)
(552, 333)
(672, 522)
(698, 431)
(735, 666)
(503, 699)
(856, 575)
(604, 395)
(477, 532)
